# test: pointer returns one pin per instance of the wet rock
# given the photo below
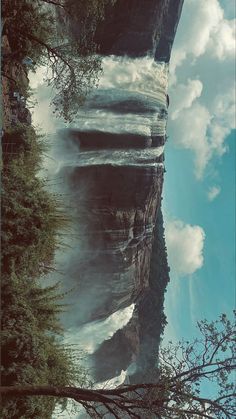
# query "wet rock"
(139, 340)
(137, 28)
(117, 210)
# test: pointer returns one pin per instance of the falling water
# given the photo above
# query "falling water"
(122, 125)
(121, 119)
(131, 98)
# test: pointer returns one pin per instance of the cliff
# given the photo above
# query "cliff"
(133, 28)
(116, 184)
(137, 343)
(116, 209)
(137, 28)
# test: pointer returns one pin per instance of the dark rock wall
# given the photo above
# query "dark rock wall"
(168, 31)
(122, 259)
(137, 28)
(140, 338)
(117, 211)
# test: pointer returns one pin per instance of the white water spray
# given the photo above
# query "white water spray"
(127, 85)
(89, 336)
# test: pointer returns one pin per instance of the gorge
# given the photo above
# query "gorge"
(112, 173)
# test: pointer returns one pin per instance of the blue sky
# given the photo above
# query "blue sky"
(199, 189)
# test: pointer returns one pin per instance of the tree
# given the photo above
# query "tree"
(45, 31)
(32, 228)
(178, 390)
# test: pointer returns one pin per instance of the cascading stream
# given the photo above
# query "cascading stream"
(112, 170)
(123, 118)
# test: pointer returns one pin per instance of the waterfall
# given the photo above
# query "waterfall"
(120, 126)
(109, 165)
(122, 118)
(88, 337)
(130, 98)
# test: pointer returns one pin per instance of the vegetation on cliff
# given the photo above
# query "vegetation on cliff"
(151, 305)
(159, 276)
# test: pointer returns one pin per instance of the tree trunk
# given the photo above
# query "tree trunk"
(78, 394)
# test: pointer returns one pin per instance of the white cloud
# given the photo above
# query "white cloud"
(202, 98)
(185, 244)
(199, 18)
(189, 131)
(203, 29)
(184, 96)
(213, 192)
(222, 41)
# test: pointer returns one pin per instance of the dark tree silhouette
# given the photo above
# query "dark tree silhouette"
(177, 391)
(43, 30)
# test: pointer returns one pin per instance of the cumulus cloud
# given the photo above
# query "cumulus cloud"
(190, 132)
(199, 18)
(185, 244)
(185, 95)
(222, 41)
(203, 29)
(202, 82)
(213, 192)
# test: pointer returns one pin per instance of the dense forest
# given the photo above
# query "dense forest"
(31, 351)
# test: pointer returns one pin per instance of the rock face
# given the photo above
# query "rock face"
(114, 178)
(168, 31)
(117, 211)
(137, 28)
(137, 343)
(115, 184)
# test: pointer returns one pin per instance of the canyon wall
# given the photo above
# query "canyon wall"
(115, 182)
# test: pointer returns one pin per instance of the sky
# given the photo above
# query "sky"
(199, 188)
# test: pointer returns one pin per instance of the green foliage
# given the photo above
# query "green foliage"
(29, 354)
(84, 17)
(30, 219)
(31, 348)
(27, 16)
(159, 278)
(30, 339)
(61, 39)
(23, 142)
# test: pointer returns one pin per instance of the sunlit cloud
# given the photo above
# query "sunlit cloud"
(202, 82)
(185, 245)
